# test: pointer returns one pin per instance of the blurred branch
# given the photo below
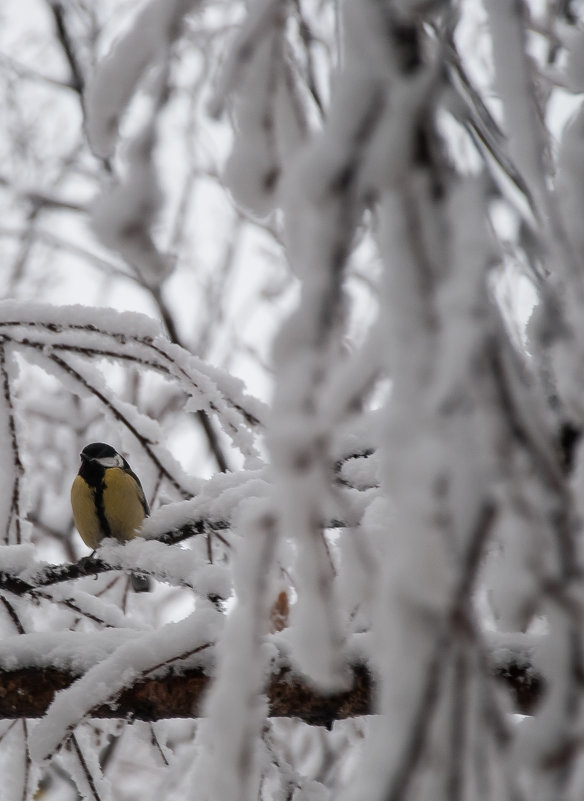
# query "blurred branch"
(64, 39)
(27, 73)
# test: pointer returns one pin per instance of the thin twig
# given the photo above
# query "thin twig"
(85, 768)
(77, 80)
(15, 512)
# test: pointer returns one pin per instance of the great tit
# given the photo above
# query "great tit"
(108, 501)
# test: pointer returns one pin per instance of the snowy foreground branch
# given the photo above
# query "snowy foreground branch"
(28, 692)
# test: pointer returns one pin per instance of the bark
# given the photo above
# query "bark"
(28, 692)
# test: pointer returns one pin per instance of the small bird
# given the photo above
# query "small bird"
(108, 501)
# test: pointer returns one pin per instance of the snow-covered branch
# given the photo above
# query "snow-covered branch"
(29, 690)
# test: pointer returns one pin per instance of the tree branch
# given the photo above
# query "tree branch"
(28, 692)
(92, 565)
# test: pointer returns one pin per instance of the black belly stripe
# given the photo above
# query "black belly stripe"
(99, 508)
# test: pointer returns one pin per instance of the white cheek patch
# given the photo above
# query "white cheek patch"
(111, 461)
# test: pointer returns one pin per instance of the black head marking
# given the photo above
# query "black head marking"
(98, 450)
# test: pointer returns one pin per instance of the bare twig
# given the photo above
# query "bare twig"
(17, 469)
(84, 767)
(59, 18)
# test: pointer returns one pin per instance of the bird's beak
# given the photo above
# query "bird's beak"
(84, 458)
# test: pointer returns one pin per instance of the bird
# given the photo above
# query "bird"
(108, 501)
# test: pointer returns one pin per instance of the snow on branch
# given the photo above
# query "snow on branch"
(140, 656)
(27, 691)
(324, 192)
(118, 76)
(270, 116)
(125, 214)
(243, 659)
(153, 552)
(51, 334)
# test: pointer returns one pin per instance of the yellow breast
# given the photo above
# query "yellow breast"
(84, 513)
(122, 505)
